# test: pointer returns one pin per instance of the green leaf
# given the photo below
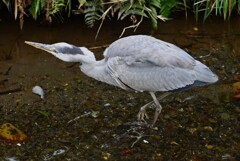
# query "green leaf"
(95, 114)
(155, 3)
(207, 11)
(153, 20)
(93, 12)
(238, 5)
(225, 9)
(127, 13)
(56, 7)
(69, 6)
(218, 8)
(196, 8)
(153, 12)
(232, 4)
(140, 13)
(44, 113)
(167, 6)
(81, 2)
(35, 8)
(125, 8)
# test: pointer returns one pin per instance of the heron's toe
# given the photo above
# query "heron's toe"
(142, 114)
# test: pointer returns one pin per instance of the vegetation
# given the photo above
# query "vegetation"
(136, 10)
(219, 7)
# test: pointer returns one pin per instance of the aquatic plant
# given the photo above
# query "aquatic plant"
(95, 10)
(135, 10)
(219, 7)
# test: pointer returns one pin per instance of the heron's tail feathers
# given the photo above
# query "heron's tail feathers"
(204, 74)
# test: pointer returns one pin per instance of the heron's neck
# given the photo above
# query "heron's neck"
(97, 70)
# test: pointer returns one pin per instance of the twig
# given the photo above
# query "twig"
(132, 26)
(78, 117)
(199, 2)
(8, 70)
(103, 18)
(141, 135)
(133, 130)
(203, 56)
(117, 1)
(18, 89)
(97, 47)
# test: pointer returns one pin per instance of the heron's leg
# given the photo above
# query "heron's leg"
(142, 112)
(163, 96)
(158, 108)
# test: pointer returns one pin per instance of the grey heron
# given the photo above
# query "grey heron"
(138, 63)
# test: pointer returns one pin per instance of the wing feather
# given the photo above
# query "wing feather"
(143, 48)
(144, 63)
(145, 76)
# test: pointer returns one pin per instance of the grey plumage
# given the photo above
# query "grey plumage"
(148, 64)
(140, 63)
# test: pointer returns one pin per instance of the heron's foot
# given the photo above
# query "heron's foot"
(142, 114)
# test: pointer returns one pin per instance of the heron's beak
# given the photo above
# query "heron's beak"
(41, 46)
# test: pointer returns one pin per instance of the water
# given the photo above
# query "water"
(199, 124)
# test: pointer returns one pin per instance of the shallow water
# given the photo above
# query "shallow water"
(83, 119)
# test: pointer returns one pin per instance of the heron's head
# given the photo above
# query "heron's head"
(65, 51)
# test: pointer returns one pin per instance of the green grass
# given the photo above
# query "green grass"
(222, 8)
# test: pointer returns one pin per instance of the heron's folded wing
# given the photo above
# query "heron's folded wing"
(147, 76)
(146, 48)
